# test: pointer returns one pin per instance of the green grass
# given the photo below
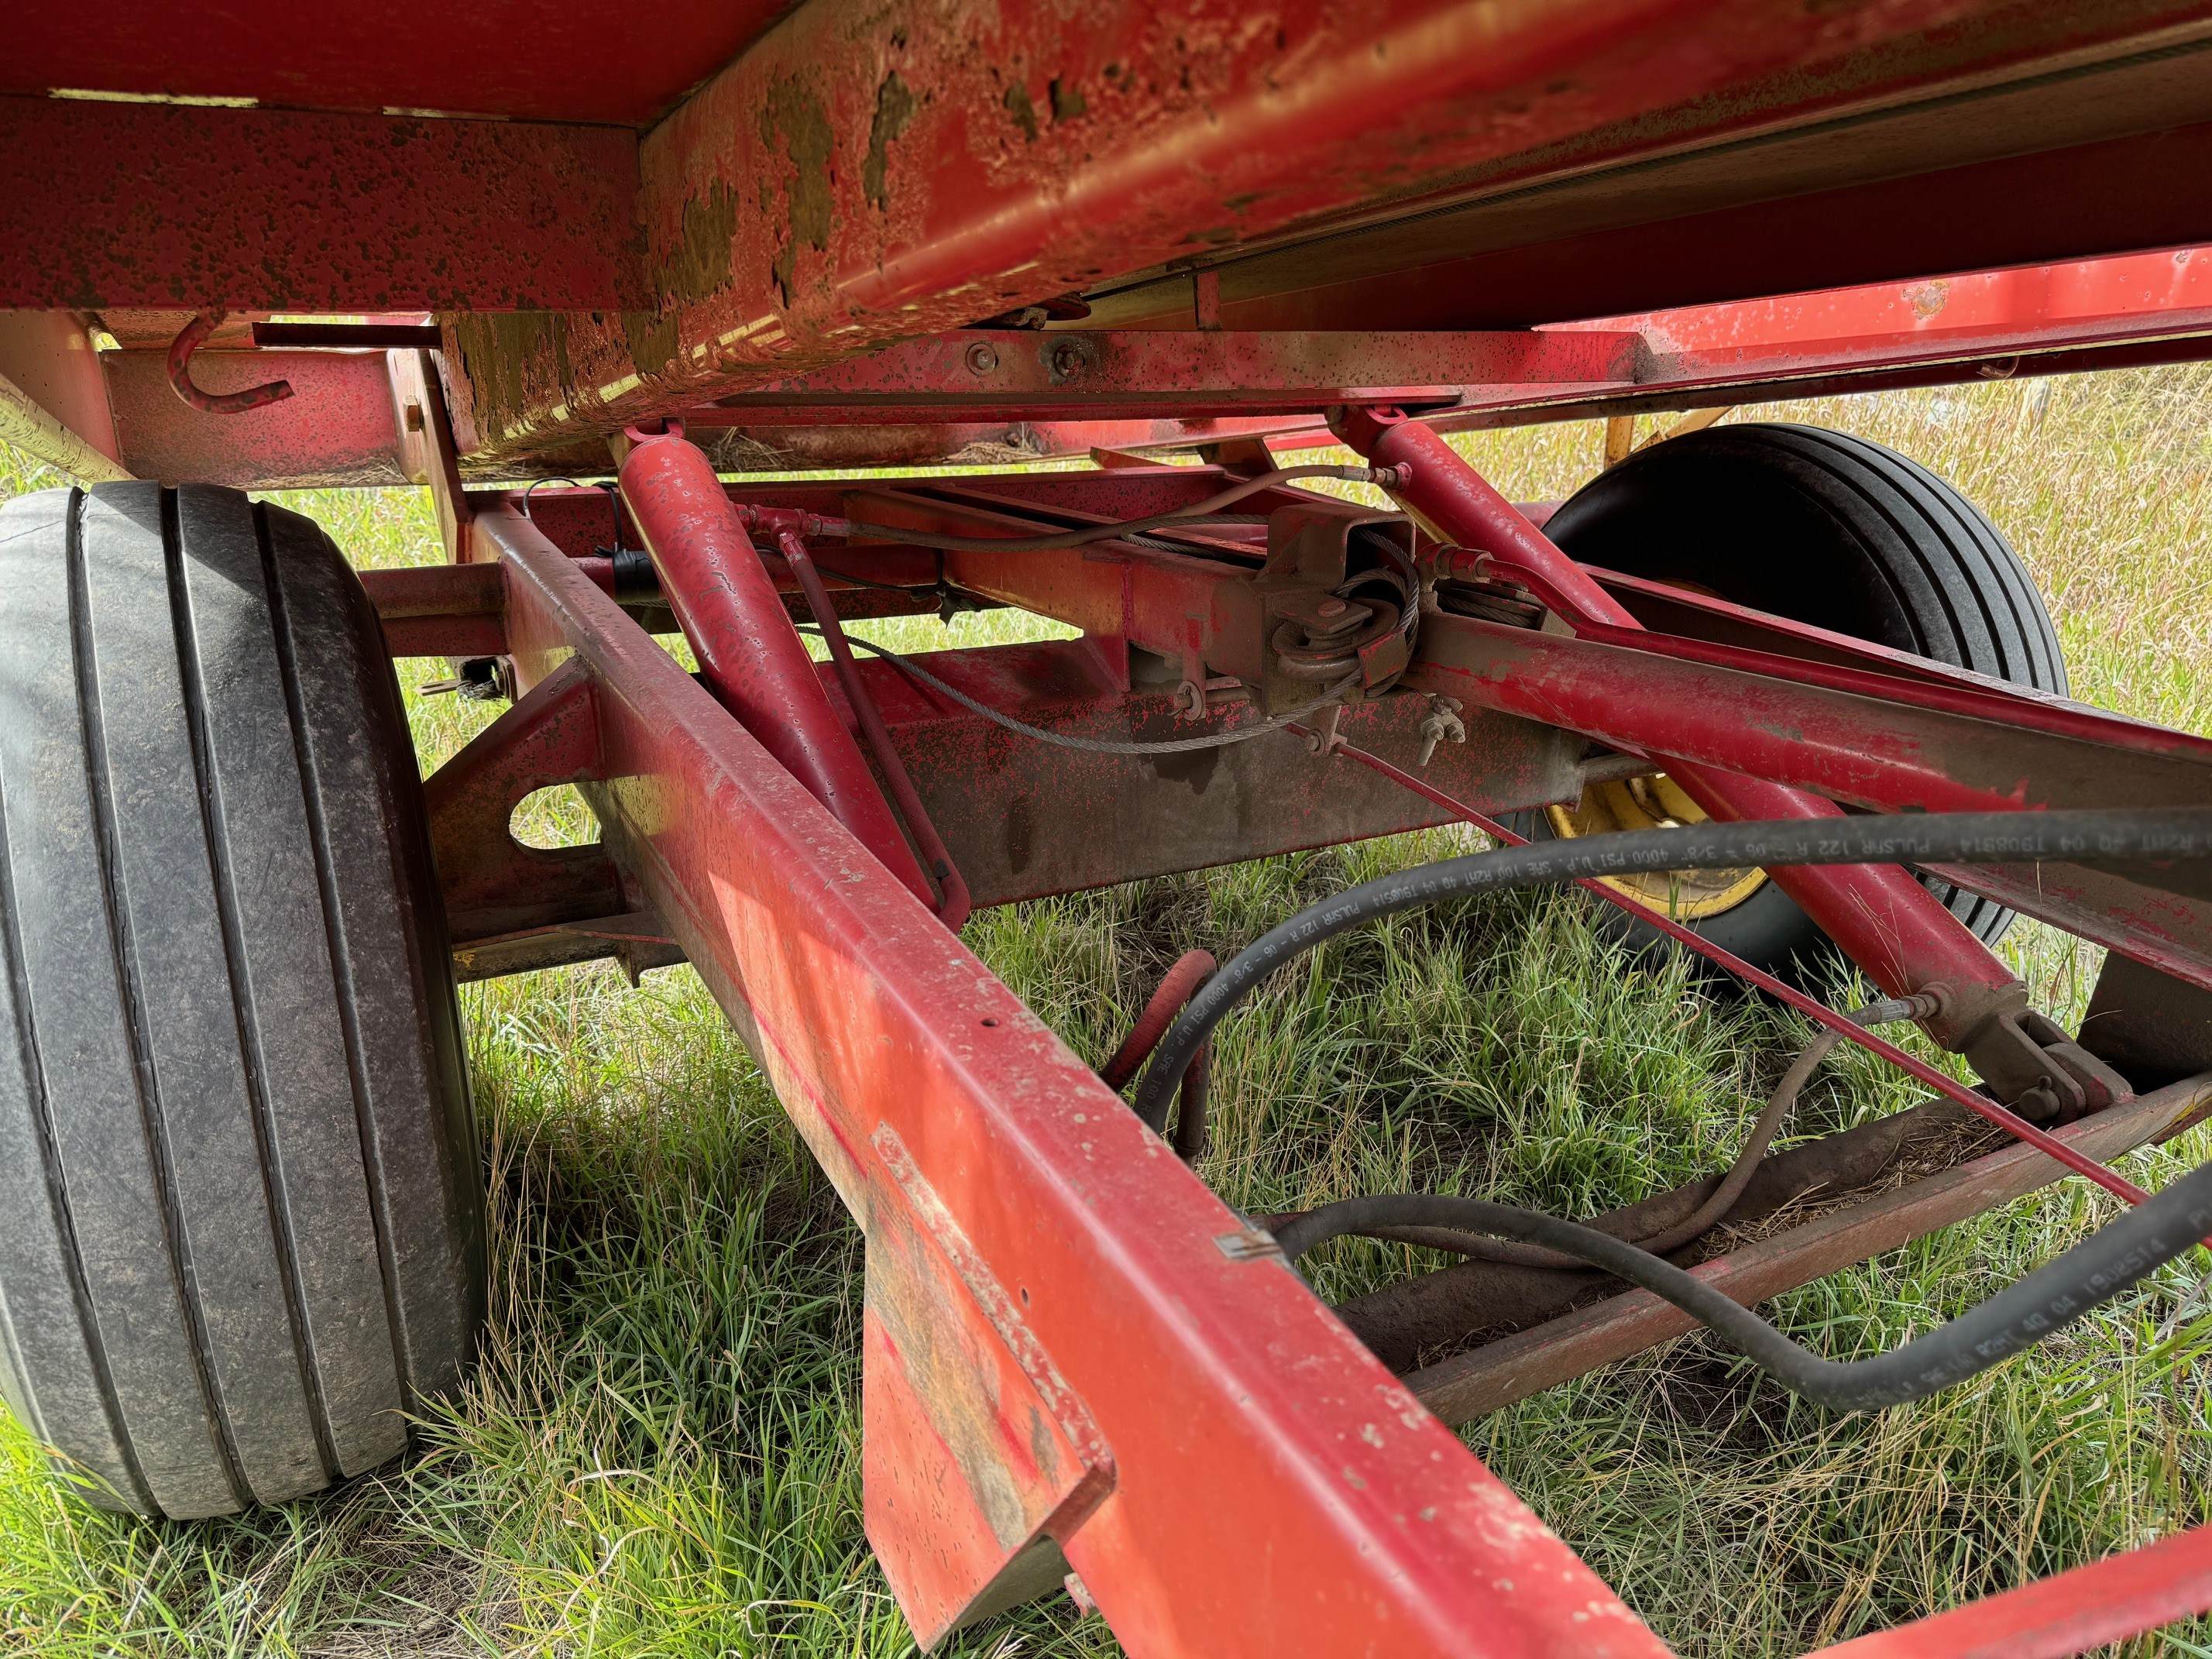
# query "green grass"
(660, 1454)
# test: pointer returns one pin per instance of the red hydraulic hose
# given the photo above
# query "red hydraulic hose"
(1181, 982)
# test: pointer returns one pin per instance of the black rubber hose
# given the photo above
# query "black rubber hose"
(2054, 1295)
(2094, 835)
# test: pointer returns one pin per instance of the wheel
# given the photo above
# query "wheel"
(1821, 528)
(240, 1205)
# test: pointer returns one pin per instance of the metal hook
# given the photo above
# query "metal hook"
(187, 342)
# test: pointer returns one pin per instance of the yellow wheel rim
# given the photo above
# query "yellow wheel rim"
(1656, 802)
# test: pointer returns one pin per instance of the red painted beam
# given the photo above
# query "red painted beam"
(524, 60)
(2086, 1608)
(1008, 375)
(853, 180)
(340, 428)
(1292, 1498)
(168, 206)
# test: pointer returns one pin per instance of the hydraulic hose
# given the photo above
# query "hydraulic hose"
(1700, 1221)
(2054, 1295)
(2092, 835)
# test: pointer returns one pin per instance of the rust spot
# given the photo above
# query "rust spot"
(651, 338)
(700, 266)
(1023, 111)
(793, 121)
(1927, 298)
(1067, 100)
(895, 106)
(503, 355)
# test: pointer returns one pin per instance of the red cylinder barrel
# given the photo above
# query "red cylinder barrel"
(1899, 933)
(750, 655)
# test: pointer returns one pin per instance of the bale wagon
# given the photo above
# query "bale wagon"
(1768, 692)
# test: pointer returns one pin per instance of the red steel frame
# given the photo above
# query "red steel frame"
(879, 234)
(1007, 1195)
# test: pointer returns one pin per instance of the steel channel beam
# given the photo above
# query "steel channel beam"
(982, 374)
(163, 205)
(440, 609)
(1884, 741)
(339, 428)
(1025, 820)
(1336, 1515)
(861, 177)
(1484, 1379)
(1889, 741)
(1843, 719)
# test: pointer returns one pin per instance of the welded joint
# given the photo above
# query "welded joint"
(494, 885)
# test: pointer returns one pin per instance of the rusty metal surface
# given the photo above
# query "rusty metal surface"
(2149, 1027)
(172, 205)
(1338, 1518)
(976, 1454)
(2171, 931)
(339, 428)
(1024, 821)
(439, 610)
(530, 60)
(853, 181)
(980, 374)
(2107, 154)
(1469, 1385)
(636, 939)
(1059, 392)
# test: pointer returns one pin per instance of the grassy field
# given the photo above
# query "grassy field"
(660, 1454)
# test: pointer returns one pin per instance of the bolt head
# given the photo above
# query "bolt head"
(982, 357)
(1330, 608)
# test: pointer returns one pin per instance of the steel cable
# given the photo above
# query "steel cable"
(1099, 745)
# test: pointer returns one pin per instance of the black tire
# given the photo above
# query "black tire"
(240, 1202)
(1831, 530)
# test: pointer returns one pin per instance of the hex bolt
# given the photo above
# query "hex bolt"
(982, 357)
(1442, 724)
(1067, 359)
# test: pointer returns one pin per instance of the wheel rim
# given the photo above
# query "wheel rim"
(1656, 802)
